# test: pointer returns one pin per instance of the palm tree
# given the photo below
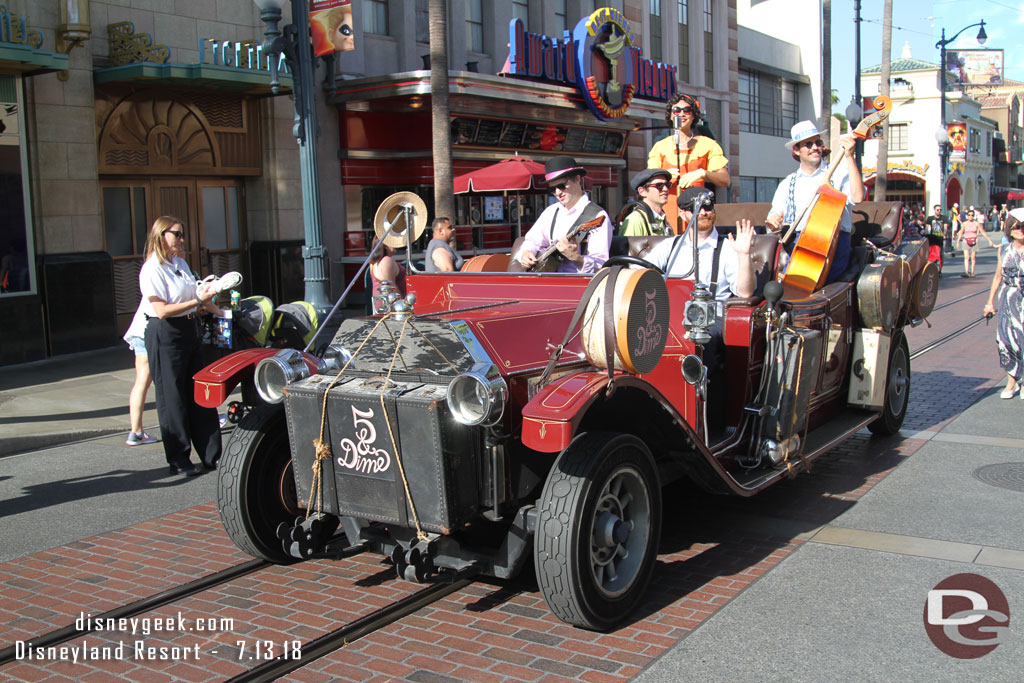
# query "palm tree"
(826, 63)
(883, 144)
(440, 116)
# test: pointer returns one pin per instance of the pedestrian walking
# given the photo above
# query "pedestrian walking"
(970, 232)
(135, 337)
(172, 300)
(1008, 283)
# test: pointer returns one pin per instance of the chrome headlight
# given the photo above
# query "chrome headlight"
(335, 358)
(478, 397)
(275, 373)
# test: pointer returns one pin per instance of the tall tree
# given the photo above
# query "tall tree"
(826, 63)
(883, 144)
(444, 197)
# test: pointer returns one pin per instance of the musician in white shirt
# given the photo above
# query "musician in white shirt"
(565, 181)
(798, 189)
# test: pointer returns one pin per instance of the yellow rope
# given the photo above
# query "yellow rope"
(454, 369)
(322, 448)
(420, 534)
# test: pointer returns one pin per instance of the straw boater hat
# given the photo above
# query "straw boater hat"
(391, 211)
(800, 132)
(561, 166)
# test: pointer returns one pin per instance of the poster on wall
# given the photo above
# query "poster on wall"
(331, 24)
(957, 141)
(975, 67)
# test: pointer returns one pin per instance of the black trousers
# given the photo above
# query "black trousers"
(173, 345)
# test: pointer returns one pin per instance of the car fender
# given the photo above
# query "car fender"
(552, 416)
(217, 380)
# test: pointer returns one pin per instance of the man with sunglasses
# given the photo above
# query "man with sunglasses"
(573, 207)
(799, 188)
(690, 153)
(648, 214)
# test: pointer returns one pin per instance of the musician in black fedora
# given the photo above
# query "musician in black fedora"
(573, 209)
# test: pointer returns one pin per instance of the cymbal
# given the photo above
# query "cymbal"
(392, 212)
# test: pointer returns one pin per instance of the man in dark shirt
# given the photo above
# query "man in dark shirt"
(938, 226)
(440, 257)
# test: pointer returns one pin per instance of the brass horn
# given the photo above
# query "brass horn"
(393, 214)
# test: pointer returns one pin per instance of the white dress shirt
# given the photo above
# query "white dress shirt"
(682, 259)
(539, 237)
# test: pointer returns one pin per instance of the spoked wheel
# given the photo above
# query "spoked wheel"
(256, 485)
(897, 389)
(598, 529)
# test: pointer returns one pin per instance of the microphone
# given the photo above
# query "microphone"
(677, 123)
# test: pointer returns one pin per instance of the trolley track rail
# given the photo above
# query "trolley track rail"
(339, 638)
(171, 595)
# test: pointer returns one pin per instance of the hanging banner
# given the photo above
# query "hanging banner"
(331, 24)
(957, 141)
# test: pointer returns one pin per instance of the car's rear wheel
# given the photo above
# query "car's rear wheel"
(598, 529)
(256, 485)
(897, 389)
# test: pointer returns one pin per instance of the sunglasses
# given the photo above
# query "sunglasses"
(682, 110)
(658, 186)
(560, 187)
(708, 206)
(807, 144)
(177, 233)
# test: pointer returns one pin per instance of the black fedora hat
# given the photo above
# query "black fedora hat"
(688, 196)
(561, 166)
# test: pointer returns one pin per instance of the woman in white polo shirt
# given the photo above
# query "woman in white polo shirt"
(171, 301)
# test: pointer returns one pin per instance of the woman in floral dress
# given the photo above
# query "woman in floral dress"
(1008, 282)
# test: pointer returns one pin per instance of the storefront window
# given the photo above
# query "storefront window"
(17, 258)
(475, 25)
(375, 17)
(220, 218)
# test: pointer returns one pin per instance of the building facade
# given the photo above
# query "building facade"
(119, 111)
(914, 169)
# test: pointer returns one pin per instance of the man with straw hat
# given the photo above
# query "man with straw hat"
(798, 189)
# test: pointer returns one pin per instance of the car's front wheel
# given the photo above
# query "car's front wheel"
(256, 484)
(598, 529)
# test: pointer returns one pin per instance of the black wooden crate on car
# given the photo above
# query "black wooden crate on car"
(440, 456)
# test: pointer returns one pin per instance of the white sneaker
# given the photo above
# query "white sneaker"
(223, 283)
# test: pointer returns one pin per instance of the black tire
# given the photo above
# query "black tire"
(589, 578)
(256, 485)
(897, 389)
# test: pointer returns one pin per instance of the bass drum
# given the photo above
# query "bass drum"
(630, 307)
(926, 290)
(486, 263)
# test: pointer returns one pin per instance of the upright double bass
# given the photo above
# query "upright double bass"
(812, 255)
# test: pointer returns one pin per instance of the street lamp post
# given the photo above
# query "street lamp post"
(941, 45)
(293, 42)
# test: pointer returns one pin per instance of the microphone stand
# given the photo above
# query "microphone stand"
(677, 122)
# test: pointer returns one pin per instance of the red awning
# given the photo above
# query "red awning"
(1008, 196)
(516, 173)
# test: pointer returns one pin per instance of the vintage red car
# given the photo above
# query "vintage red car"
(462, 431)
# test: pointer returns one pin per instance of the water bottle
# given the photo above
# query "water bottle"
(236, 299)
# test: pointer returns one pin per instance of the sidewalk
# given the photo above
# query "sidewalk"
(67, 398)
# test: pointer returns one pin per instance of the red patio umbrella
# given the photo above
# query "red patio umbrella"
(515, 173)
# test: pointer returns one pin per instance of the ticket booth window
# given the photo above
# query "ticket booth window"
(17, 253)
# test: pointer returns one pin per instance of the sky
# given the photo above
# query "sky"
(921, 24)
